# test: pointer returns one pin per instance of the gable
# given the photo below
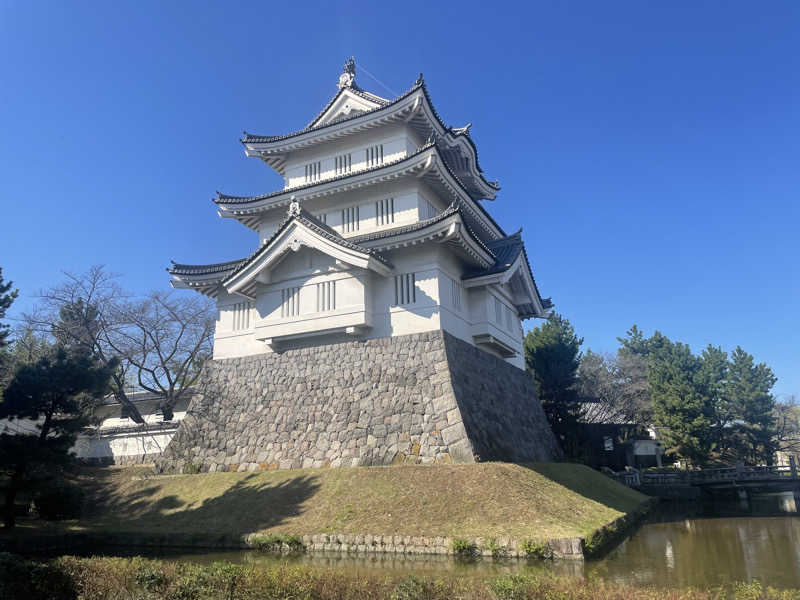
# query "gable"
(298, 233)
(304, 261)
(347, 104)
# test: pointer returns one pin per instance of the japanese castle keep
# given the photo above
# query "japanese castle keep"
(379, 319)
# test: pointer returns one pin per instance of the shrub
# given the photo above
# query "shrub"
(226, 577)
(412, 588)
(464, 548)
(537, 550)
(151, 577)
(277, 542)
(497, 550)
(59, 500)
(20, 578)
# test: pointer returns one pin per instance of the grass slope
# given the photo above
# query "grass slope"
(539, 501)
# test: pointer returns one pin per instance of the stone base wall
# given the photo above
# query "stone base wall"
(105, 461)
(420, 398)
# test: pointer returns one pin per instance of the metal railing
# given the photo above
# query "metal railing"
(635, 478)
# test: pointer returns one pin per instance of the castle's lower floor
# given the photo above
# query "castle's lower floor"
(420, 398)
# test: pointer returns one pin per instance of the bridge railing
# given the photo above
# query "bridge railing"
(727, 474)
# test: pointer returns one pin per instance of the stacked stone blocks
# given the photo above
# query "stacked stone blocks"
(422, 399)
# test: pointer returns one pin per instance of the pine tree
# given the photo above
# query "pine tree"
(55, 392)
(711, 381)
(6, 300)
(753, 407)
(552, 356)
(681, 404)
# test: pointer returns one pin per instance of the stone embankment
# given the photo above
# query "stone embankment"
(422, 399)
(362, 545)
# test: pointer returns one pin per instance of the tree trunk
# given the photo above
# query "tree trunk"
(10, 516)
(122, 398)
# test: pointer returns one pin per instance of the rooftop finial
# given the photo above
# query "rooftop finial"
(348, 76)
(294, 207)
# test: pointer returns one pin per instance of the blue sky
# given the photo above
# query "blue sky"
(650, 151)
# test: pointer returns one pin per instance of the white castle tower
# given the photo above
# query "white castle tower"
(380, 231)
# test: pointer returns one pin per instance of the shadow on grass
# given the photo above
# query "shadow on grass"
(244, 507)
(590, 484)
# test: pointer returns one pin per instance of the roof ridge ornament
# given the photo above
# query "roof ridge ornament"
(294, 207)
(419, 80)
(348, 76)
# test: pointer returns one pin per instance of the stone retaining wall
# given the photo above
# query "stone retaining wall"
(421, 398)
(563, 548)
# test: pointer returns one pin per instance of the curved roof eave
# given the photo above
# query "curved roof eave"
(312, 223)
(227, 209)
(446, 131)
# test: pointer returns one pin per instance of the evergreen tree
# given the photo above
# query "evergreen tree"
(56, 392)
(78, 327)
(27, 348)
(681, 404)
(711, 381)
(7, 297)
(753, 407)
(552, 356)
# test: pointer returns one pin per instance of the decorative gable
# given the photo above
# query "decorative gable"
(347, 103)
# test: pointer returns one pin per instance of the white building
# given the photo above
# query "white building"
(117, 439)
(380, 230)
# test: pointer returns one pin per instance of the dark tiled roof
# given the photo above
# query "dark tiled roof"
(250, 138)
(315, 225)
(419, 83)
(507, 251)
(226, 199)
(453, 209)
(383, 103)
(181, 269)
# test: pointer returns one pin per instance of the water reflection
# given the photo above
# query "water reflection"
(721, 542)
(701, 545)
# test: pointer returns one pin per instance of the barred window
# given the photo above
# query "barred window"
(241, 315)
(384, 212)
(455, 293)
(343, 163)
(374, 155)
(290, 302)
(326, 296)
(405, 289)
(350, 219)
(323, 217)
(313, 171)
(427, 210)
(498, 311)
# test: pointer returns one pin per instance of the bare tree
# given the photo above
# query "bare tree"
(79, 312)
(165, 339)
(613, 388)
(161, 340)
(787, 421)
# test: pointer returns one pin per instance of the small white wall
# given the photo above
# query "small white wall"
(365, 298)
(397, 142)
(120, 446)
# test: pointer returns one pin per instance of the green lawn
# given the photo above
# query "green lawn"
(539, 501)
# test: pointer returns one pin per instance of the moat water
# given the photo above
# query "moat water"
(700, 545)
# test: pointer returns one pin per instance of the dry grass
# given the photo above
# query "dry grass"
(69, 578)
(539, 501)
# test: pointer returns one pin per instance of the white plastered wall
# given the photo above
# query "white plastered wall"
(435, 268)
(397, 143)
